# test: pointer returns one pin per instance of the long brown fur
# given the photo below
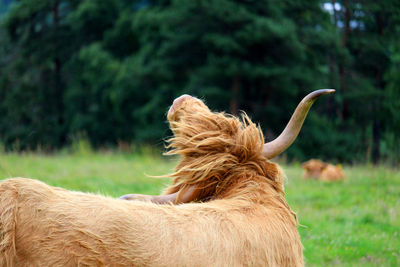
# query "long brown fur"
(240, 217)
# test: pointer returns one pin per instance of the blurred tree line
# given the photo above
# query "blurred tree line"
(109, 69)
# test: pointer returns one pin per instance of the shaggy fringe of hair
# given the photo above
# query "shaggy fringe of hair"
(222, 156)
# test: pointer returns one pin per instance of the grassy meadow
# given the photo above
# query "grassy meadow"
(355, 222)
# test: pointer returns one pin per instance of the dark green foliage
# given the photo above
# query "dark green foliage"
(109, 69)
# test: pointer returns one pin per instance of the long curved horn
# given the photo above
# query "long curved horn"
(292, 129)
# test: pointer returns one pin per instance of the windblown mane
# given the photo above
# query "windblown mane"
(222, 156)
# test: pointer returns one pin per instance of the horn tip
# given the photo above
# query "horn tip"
(330, 91)
(315, 94)
(326, 91)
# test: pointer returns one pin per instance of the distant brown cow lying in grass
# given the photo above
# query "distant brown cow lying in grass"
(239, 216)
(317, 169)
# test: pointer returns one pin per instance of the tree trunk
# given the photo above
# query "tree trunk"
(379, 84)
(234, 106)
(58, 86)
(342, 71)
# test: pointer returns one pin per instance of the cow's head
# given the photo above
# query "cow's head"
(214, 146)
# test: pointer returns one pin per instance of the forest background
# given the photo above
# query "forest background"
(107, 70)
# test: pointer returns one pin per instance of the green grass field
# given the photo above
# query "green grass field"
(355, 222)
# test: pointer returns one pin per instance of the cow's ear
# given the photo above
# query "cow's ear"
(187, 194)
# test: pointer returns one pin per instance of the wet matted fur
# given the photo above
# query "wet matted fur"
(239, 218)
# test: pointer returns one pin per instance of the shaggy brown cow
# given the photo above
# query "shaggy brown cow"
(317, 169)
(239, 216)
